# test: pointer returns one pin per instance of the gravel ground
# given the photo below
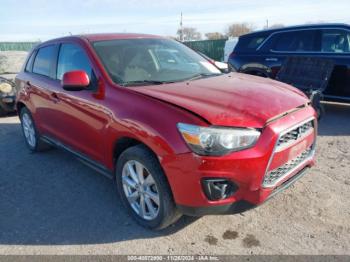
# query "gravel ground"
(50, 203)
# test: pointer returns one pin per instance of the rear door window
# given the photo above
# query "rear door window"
(295, 41)
(335, 41)
(72, 57)
(44, 59)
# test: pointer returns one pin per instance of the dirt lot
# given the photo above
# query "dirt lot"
(50, 203)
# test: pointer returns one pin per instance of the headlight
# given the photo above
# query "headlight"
(5, 88)
(216, 140)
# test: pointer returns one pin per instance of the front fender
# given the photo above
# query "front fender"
(149, 121)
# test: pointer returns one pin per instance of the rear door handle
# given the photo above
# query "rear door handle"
(55, 98)
(28, 84)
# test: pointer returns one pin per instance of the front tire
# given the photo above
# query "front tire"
(30, 133)
(144, 190)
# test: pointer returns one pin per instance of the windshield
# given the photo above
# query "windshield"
(151, 61)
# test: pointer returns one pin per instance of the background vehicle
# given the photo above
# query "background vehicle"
(262, 53)
(10, 64)
(169, 136)
(221, 65)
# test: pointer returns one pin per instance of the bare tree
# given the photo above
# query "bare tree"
(237, 29)
(189, 33)
(214, 36)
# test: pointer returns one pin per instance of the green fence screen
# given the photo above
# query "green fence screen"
(17, 46)
(212, 48)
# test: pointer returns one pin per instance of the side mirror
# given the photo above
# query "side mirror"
(75, 81)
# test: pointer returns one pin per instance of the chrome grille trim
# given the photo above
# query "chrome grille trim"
(273, 177)
(290, 137)
(275, 150)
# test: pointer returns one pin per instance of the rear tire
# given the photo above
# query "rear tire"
(144, 189)
(30, 132)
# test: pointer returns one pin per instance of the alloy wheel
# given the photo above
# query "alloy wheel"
(140, 190)
(28, 129)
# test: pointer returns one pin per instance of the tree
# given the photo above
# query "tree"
(214, 36)
(235, 30)
(189, 33)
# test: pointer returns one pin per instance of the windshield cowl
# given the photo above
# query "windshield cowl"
(155, 82)
(145, 82)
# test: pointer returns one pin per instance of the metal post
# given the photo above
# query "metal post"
(181, 30)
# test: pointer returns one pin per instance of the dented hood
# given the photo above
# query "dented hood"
(230, 100)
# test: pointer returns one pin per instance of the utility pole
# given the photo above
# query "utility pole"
(181, 30)
(267, 23)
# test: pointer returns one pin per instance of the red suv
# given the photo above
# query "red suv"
(178, 136)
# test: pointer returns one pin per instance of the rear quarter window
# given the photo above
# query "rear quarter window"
(335, 41)
(44, 60)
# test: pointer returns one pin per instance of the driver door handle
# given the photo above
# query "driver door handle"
(55, 98)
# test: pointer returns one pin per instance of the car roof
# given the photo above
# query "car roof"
(297, 27)
(114, 36)
(100, 37)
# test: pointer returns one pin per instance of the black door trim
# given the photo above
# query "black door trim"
(83, 158)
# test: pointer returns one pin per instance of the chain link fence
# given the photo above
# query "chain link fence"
(212, 48)
(17, 46)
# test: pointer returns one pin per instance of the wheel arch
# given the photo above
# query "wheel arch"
(256, 69)
(125, 142)
(122, 144)
(19, 106)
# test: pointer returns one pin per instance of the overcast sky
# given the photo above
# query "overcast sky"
(43, 19)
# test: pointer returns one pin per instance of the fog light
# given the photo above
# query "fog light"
(218, 188)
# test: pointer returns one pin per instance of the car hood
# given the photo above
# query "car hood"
(10, 77)
(230, 100)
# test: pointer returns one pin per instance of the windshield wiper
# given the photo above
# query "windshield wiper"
(157, 82)
(145, 82)
(199, 76)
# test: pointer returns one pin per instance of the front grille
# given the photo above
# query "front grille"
(274, 176)
(295, 134)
